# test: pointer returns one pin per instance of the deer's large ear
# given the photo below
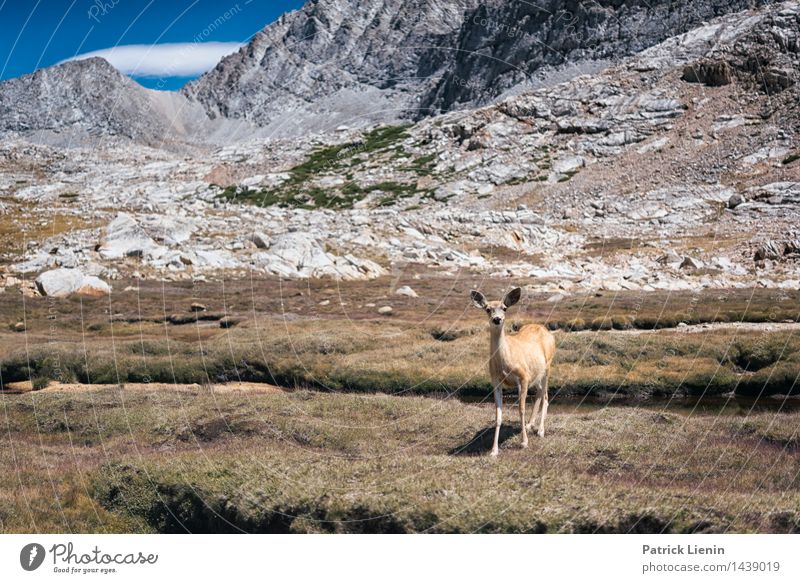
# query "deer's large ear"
(512, 297)
(478, 300)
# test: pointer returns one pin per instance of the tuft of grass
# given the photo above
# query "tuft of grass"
(394, 190)
(385, 137)
(39, 383)
(754, 355)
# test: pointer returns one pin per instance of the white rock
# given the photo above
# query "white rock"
(765, 153)
(569, 164)
(215, 259)
(406, 291)
(61, 283)
(671, 259)
(654, 145)
(124, 237)
(167, 230)
(300, 255)
(93, 287)
(252, 181)
(260, 240)
(691, 263)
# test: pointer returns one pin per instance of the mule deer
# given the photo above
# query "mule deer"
(518, 360)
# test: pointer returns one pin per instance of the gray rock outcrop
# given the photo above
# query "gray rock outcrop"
(124, 237)
(80, 102)
(299, 255)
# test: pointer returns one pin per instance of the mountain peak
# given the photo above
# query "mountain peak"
(84, 99)
(89, 63)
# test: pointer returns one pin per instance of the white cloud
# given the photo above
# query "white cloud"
(164, 60)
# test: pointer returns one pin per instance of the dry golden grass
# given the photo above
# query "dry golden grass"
(19, 224)
(443, 302)
(114, 460)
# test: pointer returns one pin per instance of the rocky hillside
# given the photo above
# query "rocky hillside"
(677, 168)
(90, 96)
(346, 62)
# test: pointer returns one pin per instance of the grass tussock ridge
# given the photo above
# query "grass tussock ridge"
(395, 358)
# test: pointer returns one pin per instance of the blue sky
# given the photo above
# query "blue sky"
(191, 34)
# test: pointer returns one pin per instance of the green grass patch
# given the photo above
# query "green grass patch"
(423, 165)
(327, 160)
(385, 137)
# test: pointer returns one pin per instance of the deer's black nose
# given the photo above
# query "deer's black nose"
(496, 320)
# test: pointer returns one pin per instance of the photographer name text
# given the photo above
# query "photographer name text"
(682, 550)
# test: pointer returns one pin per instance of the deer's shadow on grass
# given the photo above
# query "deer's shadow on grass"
(483, 440)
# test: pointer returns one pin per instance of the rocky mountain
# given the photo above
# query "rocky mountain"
(347, 62)
(522, 45)
(82, 101)
(334, 62)
(351, 63)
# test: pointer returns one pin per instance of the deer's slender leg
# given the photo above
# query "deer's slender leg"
(545, 400)
(537, 404)
(498, 401)
(522, 388)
